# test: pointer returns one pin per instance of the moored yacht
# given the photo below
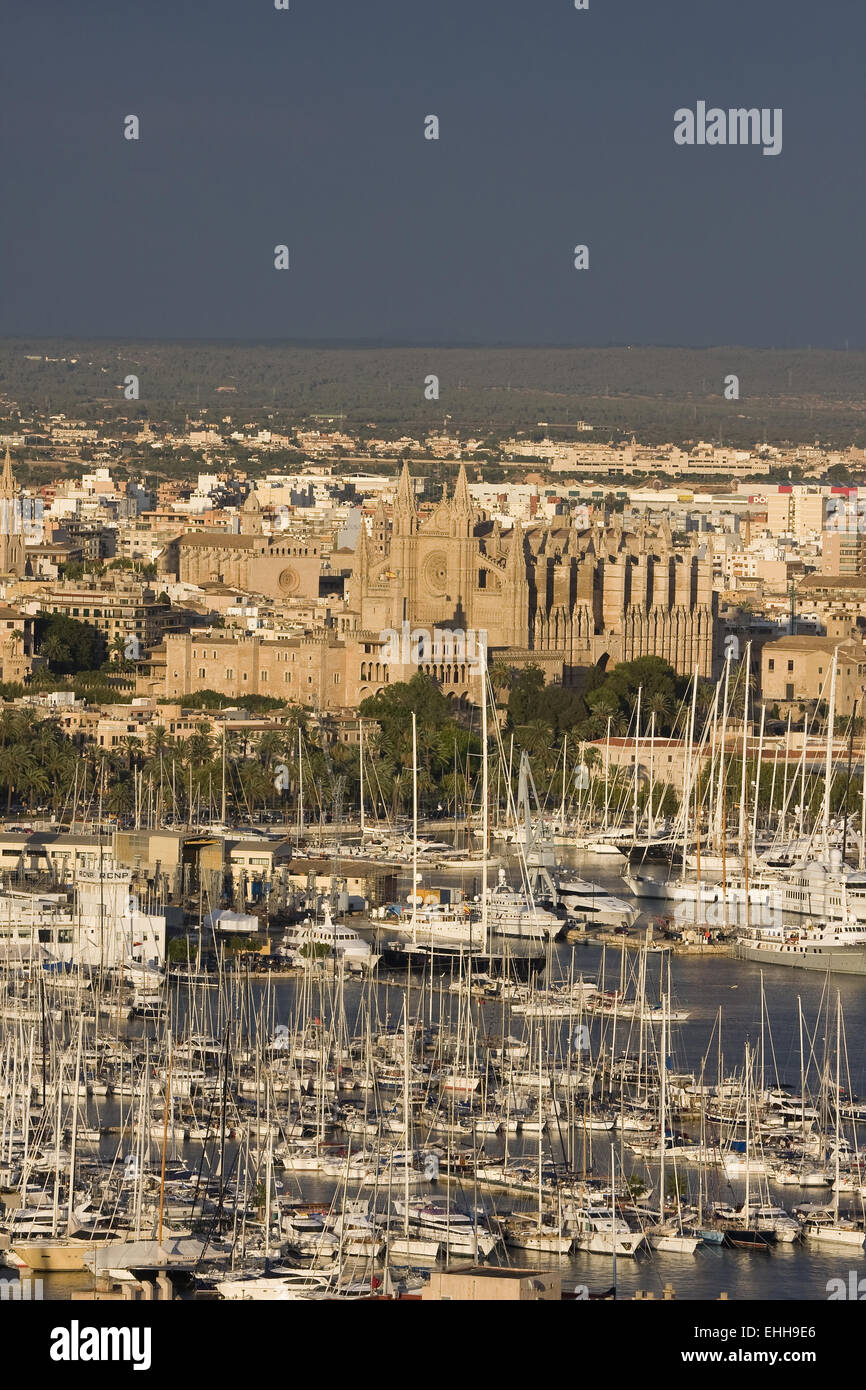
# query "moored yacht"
(311, 939)
(511, 912)
(829, 946)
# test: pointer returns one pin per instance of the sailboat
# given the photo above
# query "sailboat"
(667, 1235)
(412, 1243)
(547, 879)
(524, 1232)
(829, 1228)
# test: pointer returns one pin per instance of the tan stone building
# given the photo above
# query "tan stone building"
(561, 597)
(120, 608)
(798, 670)
(314, 669)
(797, 512)
(16, 644)
(279, 566)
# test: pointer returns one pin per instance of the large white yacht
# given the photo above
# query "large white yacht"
(812, 946)
(310, 939)
(511, 912)
(581, 898)
(813, 888)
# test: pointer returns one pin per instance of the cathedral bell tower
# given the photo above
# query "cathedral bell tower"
(12, 557)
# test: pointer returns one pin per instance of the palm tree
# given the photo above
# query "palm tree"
(535, 737)
(120, 796)
(156, 740)
(502, 677)
(11, 771)
(132, 750)
(661, 705)
(400, 784)
(55, 651)
(256, 786)
(198, 748)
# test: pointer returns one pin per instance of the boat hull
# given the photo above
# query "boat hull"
(851, 961)
(55, 1256)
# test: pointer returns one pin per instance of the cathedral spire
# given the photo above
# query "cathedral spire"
(462, 512)
(405, 515)
(462, 501)
(7, 482)
(515, 565)
(12, 559)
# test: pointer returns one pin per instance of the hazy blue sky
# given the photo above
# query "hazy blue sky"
(305, 127)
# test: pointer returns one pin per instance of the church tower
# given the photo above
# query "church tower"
(516, 594)
(251, 515)
(11, 538)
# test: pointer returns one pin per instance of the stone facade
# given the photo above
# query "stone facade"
(309, 669)
(798, 671)
(563, 597)
(279, 566)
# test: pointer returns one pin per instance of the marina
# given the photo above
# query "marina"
(508, 1064)
(297, 1123)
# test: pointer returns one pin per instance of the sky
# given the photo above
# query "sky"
(305, 128)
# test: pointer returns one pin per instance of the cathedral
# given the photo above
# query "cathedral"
(550, 595)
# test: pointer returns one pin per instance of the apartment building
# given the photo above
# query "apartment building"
(798, 669)
(119, 610)
(796, 511)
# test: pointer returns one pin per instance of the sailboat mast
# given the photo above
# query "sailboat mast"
(687, 785)
(741, 835)
(484, 812)
(721, 810)
(300, 785)
(781, 826)
(414, 824)
(649, 824)
(564, 769)
(361, 766)
(748, 1129)
(76, 1084)
(663, 1074)
(848, 784)
(407, 1139)
(758, 778)
(828, 765)
(636, 764)
(838, 1105)
(223, 797)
